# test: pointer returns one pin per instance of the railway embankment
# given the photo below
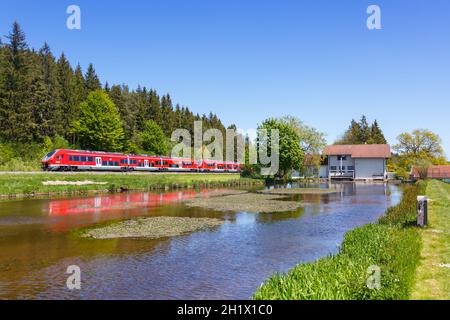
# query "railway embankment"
(17, 185)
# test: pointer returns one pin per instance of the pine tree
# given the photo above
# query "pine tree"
(155, 111)
(361, 133)
(376, 135)
(16, 114)
(178, 117)
(118, 95)
(65, 82)
(92, 81)
(352, 135)
(79, 91)
(141, 107)
(44, 95)
(168, 118)
(54, 107)
(364, 130)
(106, 88)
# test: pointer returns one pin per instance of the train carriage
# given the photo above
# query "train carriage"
(80, 160)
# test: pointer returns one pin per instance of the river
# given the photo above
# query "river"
(37, 244)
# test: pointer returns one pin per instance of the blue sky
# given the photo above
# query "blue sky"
(249, 60)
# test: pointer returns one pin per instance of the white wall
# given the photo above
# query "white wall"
(333, 161)
(367, 168)
(323, 172)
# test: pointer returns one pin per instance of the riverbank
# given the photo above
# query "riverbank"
(391, 246)
(433, 273)
(43, 184)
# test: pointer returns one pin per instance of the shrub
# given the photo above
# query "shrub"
(27, 157)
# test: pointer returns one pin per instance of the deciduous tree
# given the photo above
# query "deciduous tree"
(290, 152)
(99, 126)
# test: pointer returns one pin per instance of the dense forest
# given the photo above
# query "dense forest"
(42, 98)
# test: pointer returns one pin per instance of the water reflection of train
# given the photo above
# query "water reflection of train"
(120, 201)
(76, 160)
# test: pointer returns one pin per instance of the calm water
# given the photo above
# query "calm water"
(230, 262)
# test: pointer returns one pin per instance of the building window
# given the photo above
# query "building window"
(351, 168)
(333, 168)
(343, 158)
(343, 168)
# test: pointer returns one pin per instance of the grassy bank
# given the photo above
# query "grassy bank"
(33, 184)
(393, 244)
(433, 274)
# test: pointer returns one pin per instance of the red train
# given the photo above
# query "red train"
(78, 160)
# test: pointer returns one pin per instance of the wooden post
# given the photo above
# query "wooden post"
(422, 211)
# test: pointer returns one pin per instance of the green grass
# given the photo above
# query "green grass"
(393, 245)
(432, 278)
(27, 184)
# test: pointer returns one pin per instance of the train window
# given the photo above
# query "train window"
(90, 159)
(134, 161)
(76, 158)
(173, 165)
(105, 163)
(187, 163)
(50, 154)
(165, 163)
(151, 164)
(123, 161)
(83, 159)
(211, 165)
(116, 163)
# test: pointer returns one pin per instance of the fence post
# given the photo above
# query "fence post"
(422, 211)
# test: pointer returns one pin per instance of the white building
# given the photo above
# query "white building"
(356, 162)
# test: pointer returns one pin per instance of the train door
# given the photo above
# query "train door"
(98, 161)
(146, 163)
